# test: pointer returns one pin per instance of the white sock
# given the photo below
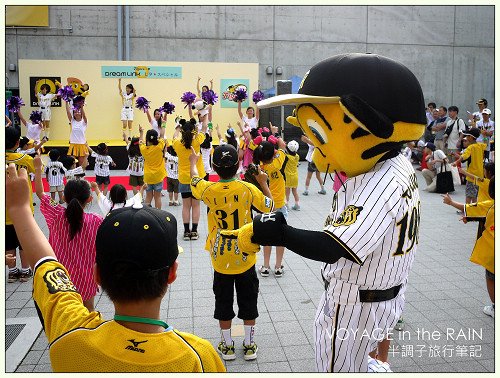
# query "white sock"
(226, 336)
(307, 188)
(249, 332)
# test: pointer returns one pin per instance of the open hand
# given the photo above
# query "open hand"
(446, 198)
(94, 185)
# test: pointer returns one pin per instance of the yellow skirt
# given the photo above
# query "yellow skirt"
(78, 150)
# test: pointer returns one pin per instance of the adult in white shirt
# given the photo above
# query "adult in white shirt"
(482, 103)
(251, 117)
(127, 113)
(435, 160)
(453, 133)
(487, 128)
(77, 139)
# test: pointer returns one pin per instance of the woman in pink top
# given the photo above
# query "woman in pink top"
(72, 232)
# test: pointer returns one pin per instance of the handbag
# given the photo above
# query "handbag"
(444, 180)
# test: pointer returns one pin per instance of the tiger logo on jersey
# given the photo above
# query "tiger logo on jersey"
(57, 281)
(348, 216)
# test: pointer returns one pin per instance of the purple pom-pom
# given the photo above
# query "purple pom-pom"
(188, 98)
(142, 103)
(257, 96)
(78, 102)
(167, 107)
(14, 104)
(36, 117)
(66, 93)
(240, 95)
(210, 97)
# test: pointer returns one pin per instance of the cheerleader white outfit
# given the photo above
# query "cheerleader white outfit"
(127, 110)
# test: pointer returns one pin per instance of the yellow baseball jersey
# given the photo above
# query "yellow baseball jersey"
(483, 194)
(81, 341)
(292, 171)
(230, 204)
(474, 155)
(183, 154)
(277, 177)
(484, 250)
(21, 161)
(154, 162)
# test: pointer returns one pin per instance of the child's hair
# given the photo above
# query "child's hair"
(67, 161)
(267, 152)
(12, 135)
(231, 138)
(489, 168)
(102, 149)
(491, 187)
(134, 149)
(76, 194)
(187, 132)
(54, 154)
(118, 194)
(207, 141)
(23, 142)
(254, 133)
(130, 86)
(204, 88)
(152, 137)
(171, 151)
(45, 86)
(226, 173)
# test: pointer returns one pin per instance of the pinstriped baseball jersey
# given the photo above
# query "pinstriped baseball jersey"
(376, 217)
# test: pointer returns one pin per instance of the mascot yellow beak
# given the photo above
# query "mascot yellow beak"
(356, 108)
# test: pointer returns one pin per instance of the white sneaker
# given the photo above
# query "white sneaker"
(376, 366)
(489, 310)
(264, 272)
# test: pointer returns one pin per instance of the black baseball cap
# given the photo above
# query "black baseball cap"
(473, 132)
(225, 156)
(394, 91)
(142, 236)
(482, 101)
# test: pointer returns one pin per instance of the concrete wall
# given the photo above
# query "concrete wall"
(449, 48)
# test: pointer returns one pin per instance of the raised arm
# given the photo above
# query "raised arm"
(257, 113)
(198, 90)
(68, 112)
(470, 175)
(163, 125)
(245, 134)
(8, 122)
(176, 132)
(219, 136)
(190, 111)
(148, 113)
(35, 244)
(37, 162)
(141, 134)
(84, 116)
(21, 118)
(120, 87)
(239, 110)
(211, 84)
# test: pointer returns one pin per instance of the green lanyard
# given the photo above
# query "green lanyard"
(136, 319)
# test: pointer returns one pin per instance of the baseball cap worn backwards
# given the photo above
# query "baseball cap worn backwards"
(225, 156)
(144, 237)
(473, 132)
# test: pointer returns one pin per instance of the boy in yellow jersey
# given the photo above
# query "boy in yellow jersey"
(273, 162)
(21, 160)
(474, 156)
(230, 202)
(136, 340)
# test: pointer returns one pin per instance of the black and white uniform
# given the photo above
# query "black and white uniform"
(375, 216)
(55, 172)
(44, 102)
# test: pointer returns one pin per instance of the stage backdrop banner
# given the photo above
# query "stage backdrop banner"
(27, 15)
(103, 102)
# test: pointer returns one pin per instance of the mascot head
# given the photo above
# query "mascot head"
(356, 108)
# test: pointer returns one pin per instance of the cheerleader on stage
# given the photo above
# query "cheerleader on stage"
(44, 101)
(205, 89)
(77, 139)
(127, 114)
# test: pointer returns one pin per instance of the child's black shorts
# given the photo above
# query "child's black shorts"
(102, 180)
(11, 240)
(247, 291)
